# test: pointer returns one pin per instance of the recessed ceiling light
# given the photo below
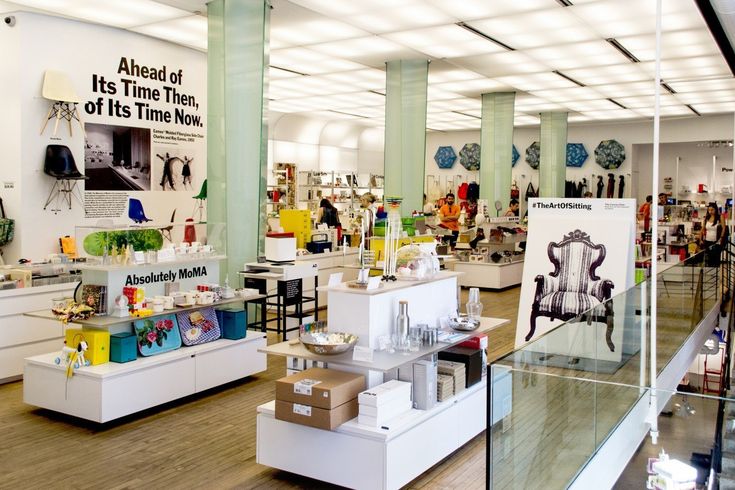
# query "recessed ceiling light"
(616, 44)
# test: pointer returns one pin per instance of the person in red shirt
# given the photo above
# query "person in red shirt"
(645, 213)
(449, 215)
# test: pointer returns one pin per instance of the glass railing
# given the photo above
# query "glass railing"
(564, 393)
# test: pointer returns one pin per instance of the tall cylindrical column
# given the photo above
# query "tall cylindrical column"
(553, 158)
(496, 147)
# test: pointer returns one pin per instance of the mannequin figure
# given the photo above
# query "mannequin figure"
(600, 186)
(610, 186)
(621, 186)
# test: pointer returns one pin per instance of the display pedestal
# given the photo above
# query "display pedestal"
(488, 275)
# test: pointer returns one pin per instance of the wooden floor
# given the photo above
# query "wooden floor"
(206, 440)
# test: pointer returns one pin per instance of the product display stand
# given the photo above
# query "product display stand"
(289, 292)
(505, 273)
(388, 457)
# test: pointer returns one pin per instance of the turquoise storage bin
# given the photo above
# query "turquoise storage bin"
(234, 322)
(123, 347)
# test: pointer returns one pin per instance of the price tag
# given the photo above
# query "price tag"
(303, 387)
(373, 283)
(363, 354)
(335, 279)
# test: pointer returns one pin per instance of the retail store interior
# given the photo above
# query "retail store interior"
(368, 244)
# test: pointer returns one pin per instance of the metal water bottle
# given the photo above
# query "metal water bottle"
(400, 328)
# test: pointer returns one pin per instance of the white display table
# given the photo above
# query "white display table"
(489, 275)
(21, 336)
(108, 391)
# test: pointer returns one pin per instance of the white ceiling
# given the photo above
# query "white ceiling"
(328, 56)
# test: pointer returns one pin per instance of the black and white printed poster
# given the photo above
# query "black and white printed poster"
(579, 253)
(145, 138)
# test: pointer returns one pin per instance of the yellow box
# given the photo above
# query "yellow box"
(298, 222)
(139, 295)
(98, 343)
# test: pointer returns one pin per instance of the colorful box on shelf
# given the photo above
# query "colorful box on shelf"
(233, 322)
(98, 343)
(123, 347)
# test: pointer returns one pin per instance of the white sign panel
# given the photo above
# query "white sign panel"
(579, 252)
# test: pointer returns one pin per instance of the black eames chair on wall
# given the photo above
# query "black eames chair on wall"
(60, 165)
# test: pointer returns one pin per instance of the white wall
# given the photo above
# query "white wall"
(10, 117)
(38, 43)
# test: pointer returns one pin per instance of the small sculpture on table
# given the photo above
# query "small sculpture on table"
(393, 232)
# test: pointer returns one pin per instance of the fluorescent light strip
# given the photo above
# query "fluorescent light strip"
(692, 109)
(616, 44)
(290, 71)
(465, 114)
(566, 77)
(483, 35)
(617, 103)
(564, 3)
(668, 87)
(376, 92)
(347, 114)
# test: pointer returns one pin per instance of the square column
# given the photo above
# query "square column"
(496, 146)
(553, 158)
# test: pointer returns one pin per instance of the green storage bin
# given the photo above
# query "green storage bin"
(123, 347)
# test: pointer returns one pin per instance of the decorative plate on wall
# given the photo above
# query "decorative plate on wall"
(516, 156)
(445, 157)
(576, 155)
(533, 154)
(469, 156)
(609, 154)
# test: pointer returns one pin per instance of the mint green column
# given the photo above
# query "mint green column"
(496, 147)
(237, 138)
(405, 131)
(553, 158)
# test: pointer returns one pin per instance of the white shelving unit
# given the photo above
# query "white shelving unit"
(109, 391)
(388, 457)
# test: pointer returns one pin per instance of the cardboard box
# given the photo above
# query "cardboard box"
(319, 418)
(320, 388)
(377, 416)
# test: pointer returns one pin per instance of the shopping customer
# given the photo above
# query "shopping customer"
(712, 236)
(512, 208)
(644, 213)
(327, 214)
(449, 216)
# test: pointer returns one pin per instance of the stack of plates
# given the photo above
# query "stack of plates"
(457, 371)
(444, 387)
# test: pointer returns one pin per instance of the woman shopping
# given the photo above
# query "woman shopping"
(712, 235)
(327, 214)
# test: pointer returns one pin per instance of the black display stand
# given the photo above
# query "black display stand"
(288, 293)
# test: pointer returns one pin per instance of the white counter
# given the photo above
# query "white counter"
(21, 336)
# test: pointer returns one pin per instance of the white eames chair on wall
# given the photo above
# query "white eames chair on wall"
(58, 88)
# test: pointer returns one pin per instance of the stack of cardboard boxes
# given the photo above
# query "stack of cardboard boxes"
(321, 398)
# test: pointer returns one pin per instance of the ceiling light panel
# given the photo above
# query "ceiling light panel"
(578, 55)
(603, 75)
(514, 29)
(611, 115)
(461, 104)
(319, 30)
(371, 51)
(704, 85)
(449, 74)
(706, 97)
(479, 9)
(275, 73)
(473, 88)
(561, 96)
(648, 101)
(367, 79)
(127, 14)
(715, 108)
(448, 41)
(311, 62)
(502, 64)
(536, 81)
(665, 111)
(694, 68)
(188, 31)
(526, 120)
(627, 89)
(591, 105)
(340, 9)
(401, 18)
(676, 44)
(433, 93)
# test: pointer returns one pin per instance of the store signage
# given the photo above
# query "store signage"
(167, 276)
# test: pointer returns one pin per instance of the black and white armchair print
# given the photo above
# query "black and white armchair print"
(573, 287)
